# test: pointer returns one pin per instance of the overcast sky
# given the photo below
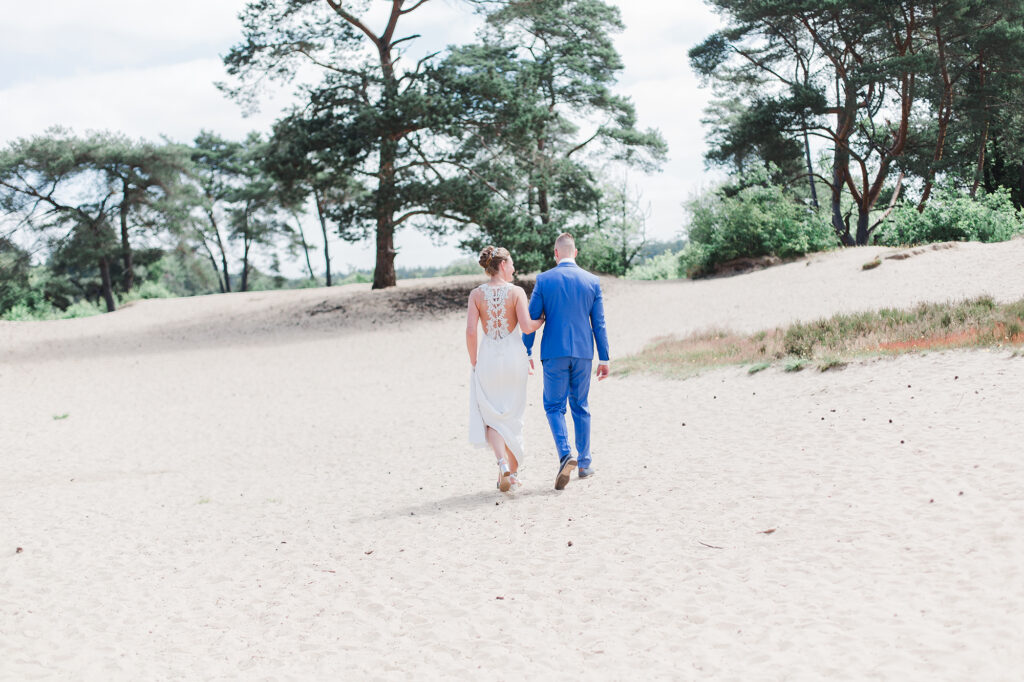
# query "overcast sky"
(148, 69)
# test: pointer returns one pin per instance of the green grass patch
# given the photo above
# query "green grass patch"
(794, 365)
(827, 364)
(833, 342)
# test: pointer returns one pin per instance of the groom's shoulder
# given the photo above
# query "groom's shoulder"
(547, 274)
(588, 276)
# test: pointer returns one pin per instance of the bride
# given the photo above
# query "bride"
(497, 389)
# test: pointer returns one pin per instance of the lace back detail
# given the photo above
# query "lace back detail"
(496, 324)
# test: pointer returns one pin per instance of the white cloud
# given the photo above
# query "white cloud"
(176, 100)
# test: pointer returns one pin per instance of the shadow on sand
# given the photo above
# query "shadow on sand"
(458, 503)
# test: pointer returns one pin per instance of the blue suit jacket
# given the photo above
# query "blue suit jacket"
(570, 299)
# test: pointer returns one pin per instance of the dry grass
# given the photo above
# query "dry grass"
(831, 343)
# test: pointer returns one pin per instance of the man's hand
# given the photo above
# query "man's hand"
(603, 371)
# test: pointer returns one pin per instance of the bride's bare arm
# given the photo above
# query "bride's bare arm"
(472, 321)
(527, 324)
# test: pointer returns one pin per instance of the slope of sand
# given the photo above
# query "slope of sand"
(278, 486)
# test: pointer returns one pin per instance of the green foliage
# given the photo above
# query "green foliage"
(83, 200)
(147, 290)
(665, 265)
(26, 313)
(618, 231)
(758, 220)
(466, 266)
(953, 216)
(794, 365)
(919, 88)
(366, 115)
(15, 267)
(182, 272)
(758, 367)
(831, 363)
(540, 110)
(356, 278)
(82, 309)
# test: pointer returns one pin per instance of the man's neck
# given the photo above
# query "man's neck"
(567, 259)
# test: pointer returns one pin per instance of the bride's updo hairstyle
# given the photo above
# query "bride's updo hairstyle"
(492, 257)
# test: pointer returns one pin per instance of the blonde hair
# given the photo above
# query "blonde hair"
(492, 257)
(565, 242)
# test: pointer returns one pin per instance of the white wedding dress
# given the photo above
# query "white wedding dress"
(497, 387)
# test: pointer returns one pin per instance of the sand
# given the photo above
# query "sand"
(277, 486)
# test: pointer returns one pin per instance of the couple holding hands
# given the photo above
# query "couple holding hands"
(566, 300)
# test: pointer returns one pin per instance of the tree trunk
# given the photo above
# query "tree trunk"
(542, 190)
(979, 169)
(384, 271)
(223, 252)
(1019, 202)
(863, 222)
(305, 247)
(810, 169)
(216, 271)
(838, 179)
(320, 208)
(245, 264)
(213, 261)
(108, 293)
(246, 243)
(126, 249)
(945, 114)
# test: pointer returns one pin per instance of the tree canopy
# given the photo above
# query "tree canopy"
(887, 89)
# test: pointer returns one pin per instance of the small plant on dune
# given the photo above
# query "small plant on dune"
(758, 367)
(800, 341)
(794, 365)
(831, 363)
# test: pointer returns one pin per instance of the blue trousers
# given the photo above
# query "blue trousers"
(568, 379)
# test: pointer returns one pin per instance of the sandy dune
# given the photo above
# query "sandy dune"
(277, 486)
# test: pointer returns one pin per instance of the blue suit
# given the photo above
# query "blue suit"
(570, 299)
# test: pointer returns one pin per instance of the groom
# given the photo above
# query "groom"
(570, 299)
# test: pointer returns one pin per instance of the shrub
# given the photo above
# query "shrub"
(82, 309)
(147, 290)
(951, 216)
(462, 266)
(662, 266)
(355, 278)
(759, 220)
(21, 312)
(26, 313)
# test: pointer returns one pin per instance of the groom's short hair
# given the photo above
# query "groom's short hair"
(565, 242)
